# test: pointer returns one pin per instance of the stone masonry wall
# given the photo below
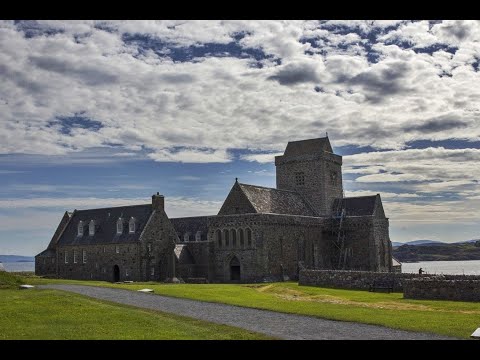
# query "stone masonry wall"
(439, 288)
(278, 244)
(100, 262)
(323, 178)
(345, 279)
(236, 203)
(46, 265)
(157, 243)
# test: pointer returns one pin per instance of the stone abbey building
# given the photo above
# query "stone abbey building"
(259, 234)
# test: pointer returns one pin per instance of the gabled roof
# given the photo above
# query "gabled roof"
(191, 225)
(274, 201)
(106, 225)
(47, 253)
(356, 206)
(307, 147)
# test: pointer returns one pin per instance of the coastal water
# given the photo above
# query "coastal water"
(19, 266)
(467, 267)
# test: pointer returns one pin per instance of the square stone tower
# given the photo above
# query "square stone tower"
(311, 168)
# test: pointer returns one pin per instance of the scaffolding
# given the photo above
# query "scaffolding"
(338, 234)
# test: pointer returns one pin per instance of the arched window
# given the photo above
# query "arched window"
(131, 225)
(119, 226)
(186, 237)
(234, 238)
(91, 228)
(249, 238)
(227, 238)
(80, 228)
(242, 239)
(219, 238)
(198, 236)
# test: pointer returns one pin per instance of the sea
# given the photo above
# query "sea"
(467, 267)
(19, 266)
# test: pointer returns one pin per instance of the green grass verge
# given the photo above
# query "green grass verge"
(51, 314)
(9, 280)
(452, 318)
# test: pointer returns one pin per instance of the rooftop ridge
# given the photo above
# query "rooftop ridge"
(356, 197)
(264, 187)
(324, 137)
(112, 207)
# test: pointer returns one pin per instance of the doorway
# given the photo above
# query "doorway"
(116, 273)
(235, 269)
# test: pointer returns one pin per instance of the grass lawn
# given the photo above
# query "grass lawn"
(453, 318)
(51, 314)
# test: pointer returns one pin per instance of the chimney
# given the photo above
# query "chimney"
(158, 202)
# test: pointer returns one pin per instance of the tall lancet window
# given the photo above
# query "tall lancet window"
(80, 228)
(119, 226)
(91, 228)
(131, 225)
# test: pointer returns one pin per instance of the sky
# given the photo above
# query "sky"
(106, 113)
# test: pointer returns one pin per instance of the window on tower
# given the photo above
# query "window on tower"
(300, 178)
(333, 178)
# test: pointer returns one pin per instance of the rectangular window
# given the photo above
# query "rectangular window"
(104, 249)
(66, 257)
(152, 272)
(126, 272)
(84, 256)
(149, 247)
(300, 178)
(119, 227)
(117, 249)
(74, 256)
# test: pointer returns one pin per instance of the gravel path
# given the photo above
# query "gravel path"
(285, 326)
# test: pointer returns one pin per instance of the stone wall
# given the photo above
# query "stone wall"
(157, 243)
(345, 279)
(278, 244)
(236, 202)
(100, 262)
(45, 265)
(323, 178)
(440, 288)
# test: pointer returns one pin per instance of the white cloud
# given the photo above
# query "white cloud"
(261, 158)
(174, 206)
(383, 194)
(144, 101)
(191, 156)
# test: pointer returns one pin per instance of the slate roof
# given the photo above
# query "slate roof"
(106, 225)
(191, 225)
(357, 206)
(306, 147)
(47, 252)
(274, 201)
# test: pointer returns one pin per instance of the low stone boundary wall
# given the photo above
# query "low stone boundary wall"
(345, 279)
(439, 288)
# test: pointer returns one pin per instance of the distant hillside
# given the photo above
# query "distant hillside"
(16, 258)
(417, 242)
(438, 252)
